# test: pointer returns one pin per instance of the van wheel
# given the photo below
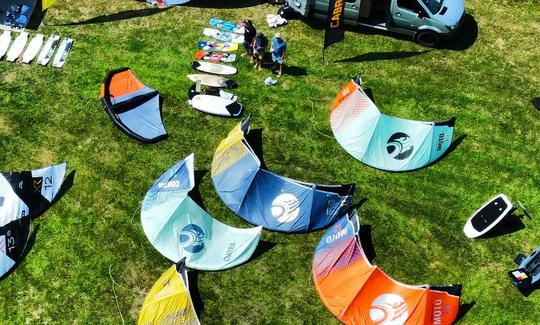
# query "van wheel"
(427, 38)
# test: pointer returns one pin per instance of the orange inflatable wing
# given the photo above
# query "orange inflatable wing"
(357, 292)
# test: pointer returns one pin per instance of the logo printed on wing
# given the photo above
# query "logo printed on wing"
(169, 184)
(399, 146)
(285, 207)
(192, 238)
(440, 140)
(389, 309)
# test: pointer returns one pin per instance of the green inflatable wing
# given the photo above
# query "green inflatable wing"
(177, 227)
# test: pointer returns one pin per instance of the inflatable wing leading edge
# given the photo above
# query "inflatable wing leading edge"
(357, 292)
(169, 301)
(270, 200)
(177, 227)
(383, 141)
(24, 196)
(133, 107)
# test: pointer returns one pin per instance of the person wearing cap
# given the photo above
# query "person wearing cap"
(278, 52)
(259, 47)
(249, 35)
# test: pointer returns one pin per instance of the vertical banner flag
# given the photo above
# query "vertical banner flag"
(334, 30)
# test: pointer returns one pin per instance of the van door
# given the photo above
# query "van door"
(300, 6)
(352, 9)
(406, 14)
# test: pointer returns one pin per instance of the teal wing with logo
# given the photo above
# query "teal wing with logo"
(178, 227)
(382, 141)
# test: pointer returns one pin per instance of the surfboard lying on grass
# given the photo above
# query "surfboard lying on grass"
(223, 36)
(218, 46)
(33, 48)
(17, 47)
(62, 53)
(5, 40)
(48, 49)
(226, 25)
(213, 68)
(212, 80)
(214, 56)
(215, 102)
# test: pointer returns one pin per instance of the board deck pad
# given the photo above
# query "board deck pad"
(223, 36)
(217, 46)
(33, 48)
(63, 51)
(226, 25)
(17, 47)
(48, 50)
(212, 80)
(213, 68)
(5, 41)
(214, 56)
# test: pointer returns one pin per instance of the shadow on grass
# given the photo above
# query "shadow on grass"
(195, 193)
(29, 244)
(223, 4)
(463, 310)
(193, 284)
(382, 56)
(508, 225)
(122, 15)
(254, 138)
(451, 148)
(263, 247)
(536, 103)
(290, 70)
(465, 38)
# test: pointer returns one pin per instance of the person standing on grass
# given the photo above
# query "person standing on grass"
(249, 35)
(260, 42)
(278, 52)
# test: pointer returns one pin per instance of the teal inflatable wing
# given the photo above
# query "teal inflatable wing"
(177, 227)
(382, 141)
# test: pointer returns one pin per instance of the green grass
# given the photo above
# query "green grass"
(48, 116)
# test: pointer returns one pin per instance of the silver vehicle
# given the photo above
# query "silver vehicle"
(427, 21)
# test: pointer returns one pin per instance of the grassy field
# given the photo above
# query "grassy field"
(49, 116)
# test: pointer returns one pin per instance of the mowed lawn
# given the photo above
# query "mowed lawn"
(48, 116)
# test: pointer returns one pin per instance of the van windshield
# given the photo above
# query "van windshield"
(433, 5)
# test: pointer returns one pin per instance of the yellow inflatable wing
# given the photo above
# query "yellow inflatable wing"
(46, 4)
(169, 302)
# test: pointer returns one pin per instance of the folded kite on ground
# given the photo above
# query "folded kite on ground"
(270, 200)
(382, 141)
(169, 301)
(179, 228)
(357, 292)
(24, 196)
(133, 107)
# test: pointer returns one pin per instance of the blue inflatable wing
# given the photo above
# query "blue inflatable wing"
(178, 227)
(270, 200)
(382, 141)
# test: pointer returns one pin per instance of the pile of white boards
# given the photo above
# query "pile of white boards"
(206, 94)
(28, 49)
